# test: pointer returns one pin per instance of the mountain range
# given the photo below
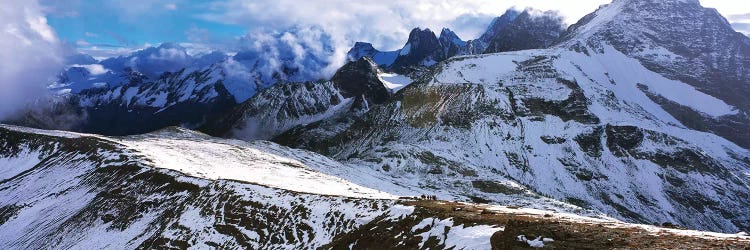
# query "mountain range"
(533, 133)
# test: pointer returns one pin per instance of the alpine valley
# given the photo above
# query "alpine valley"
(629, 129)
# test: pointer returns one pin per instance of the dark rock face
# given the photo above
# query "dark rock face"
(451, 43)
(574, 108)
(496, 27)
(623, 138)
(360, 78)
(513, 30)
(422, 49)
(701, 49)
(528, 31)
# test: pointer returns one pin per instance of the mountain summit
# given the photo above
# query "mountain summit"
(514, 30)
(680, 40)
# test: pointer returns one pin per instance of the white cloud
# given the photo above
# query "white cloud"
(737, 12)
(386, 23)
(93, 69)
(30, 54)
(170, 6)
(82, 43)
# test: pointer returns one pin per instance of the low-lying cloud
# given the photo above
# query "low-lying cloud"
(30, 55)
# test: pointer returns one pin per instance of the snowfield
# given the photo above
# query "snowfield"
(180, 188)
(255, 162)
(395, 82)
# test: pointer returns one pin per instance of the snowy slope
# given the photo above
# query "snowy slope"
(683, 41)
(576, 127)
(259, 162)
(601, 120)
(100, 192)
(177, 188)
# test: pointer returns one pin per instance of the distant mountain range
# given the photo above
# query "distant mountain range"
(514, 30)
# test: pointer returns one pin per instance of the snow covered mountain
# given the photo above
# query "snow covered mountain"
(680, 40)
(180, 189)
(186, 98)
(350, 92)
(583, 122)
(166, 86)
(362, 49)
(85, 72)
(168, 190)
(572, 126)
(514, 30)
(531, 29)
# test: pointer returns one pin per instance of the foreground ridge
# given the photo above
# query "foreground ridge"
(75, 190)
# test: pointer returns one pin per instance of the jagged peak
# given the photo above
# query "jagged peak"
(447, 32)
(449, 35)
(622, 11)
(362, 45)
(363, 66)
(418, 33)
(359, 50)
(360, 78)
(499, 23)
(537, 13)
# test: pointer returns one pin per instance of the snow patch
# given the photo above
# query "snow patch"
(457, 237)
(535, 243)
(395, 82)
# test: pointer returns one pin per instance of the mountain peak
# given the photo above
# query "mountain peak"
(360, 49)
(681, 40)
(636, 15)
(418, 33)
(171, 45)
(422, 48)
(447, 37)
(498, 24)
(359, 79)
(530, 29)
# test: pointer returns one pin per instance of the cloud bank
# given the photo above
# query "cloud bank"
(30, 54)
(384, 23)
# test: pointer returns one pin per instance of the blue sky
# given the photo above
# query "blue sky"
(116, 24)
(108, 23)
